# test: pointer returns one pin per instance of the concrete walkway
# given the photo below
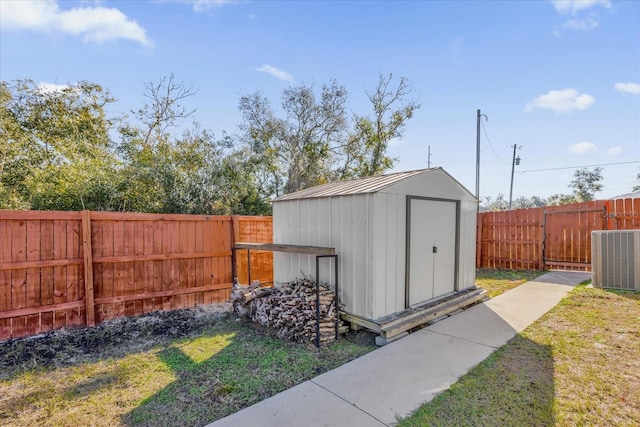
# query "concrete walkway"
(393, 381)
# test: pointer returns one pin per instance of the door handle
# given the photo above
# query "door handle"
(435, 249)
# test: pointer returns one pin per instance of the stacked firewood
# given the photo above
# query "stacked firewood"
(289, 309)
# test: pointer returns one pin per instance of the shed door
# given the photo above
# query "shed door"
(432, 247)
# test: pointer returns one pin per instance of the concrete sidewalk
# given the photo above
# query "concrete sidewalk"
(393, 381)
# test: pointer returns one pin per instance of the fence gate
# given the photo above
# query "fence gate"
(567, 235)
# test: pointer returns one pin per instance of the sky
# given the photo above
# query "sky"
(559, 79)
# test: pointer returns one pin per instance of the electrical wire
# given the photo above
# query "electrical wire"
(491, 145)
(583, 166)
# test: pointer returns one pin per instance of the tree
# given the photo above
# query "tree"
(561, 199)
(314, 142)
(151, 159)
(55, 150)
(163, 108)
(499, 204)
(365, 153)
(586, 183)
(298, 150)
(525, 203)
(193, 173)
(636, 187)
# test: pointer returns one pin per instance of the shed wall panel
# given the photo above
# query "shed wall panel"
(340, 222)
(380, 265)
(361, 296)
(369, 234)
(389, 248)
(467, 258)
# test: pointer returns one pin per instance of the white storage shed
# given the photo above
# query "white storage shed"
(402, 239)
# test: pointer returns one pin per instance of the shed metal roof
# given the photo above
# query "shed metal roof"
(627, 196)
(369, 184)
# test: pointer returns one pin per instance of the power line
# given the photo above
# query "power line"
(490, 144)
(583, 166)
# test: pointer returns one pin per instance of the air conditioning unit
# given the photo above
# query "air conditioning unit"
(615, 259)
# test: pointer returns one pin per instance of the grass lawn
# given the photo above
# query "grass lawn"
(182, 382)
(496, 282)
(577, 365)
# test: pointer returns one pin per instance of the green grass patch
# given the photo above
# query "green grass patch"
(188, 381)
(577, 365)
(498, 281)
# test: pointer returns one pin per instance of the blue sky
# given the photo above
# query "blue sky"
(559, 78)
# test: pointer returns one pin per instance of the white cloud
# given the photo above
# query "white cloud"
(45, 87)
(279, 74)
(96, 24)
(584, 24)
(202, 5)
(582, 148)
(576, 9)
(614, 151)
(632, 88)
(561, 101)
(572, 6)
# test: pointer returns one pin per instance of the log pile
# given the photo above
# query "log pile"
(290, 309)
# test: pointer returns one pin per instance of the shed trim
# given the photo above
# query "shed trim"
(407, 263)
(371, 184)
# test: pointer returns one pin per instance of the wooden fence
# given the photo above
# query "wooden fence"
(81, 268)
(551, 237)
(254, 229)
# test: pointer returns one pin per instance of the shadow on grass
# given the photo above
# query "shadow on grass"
(203, 390)
(244, 370)
(513, 387)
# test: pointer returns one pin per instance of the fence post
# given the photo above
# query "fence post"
(88, 269)
(542, 238)
(479, 217)
(234, 232)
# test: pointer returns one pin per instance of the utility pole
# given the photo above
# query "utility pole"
(514, 162)
(429, 157)
(478, 156)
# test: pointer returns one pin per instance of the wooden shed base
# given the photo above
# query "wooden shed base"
(395, 324)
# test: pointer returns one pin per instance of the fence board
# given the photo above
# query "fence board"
(139, 263)
(147, 272)
(138, 269)
(183, 264)
(199, 263)
(128, 283)
(75, 273)
(19, 276)
(119, 268)
(105, 245)
(208, 245)
(191, 262)
(555, 237)
(257, 230)
(158, 269)
(37, 278)
(59, 317)
(5, 278)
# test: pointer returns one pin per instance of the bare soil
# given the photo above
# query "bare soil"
(113, 338)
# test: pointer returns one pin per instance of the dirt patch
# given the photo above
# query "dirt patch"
(113, 338)
(362, 337)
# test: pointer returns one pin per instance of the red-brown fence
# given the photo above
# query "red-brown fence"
(253, 229)
(137, 263)
(551, 237)
(146, 262)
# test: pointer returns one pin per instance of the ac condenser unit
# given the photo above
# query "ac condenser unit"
(615, 259)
